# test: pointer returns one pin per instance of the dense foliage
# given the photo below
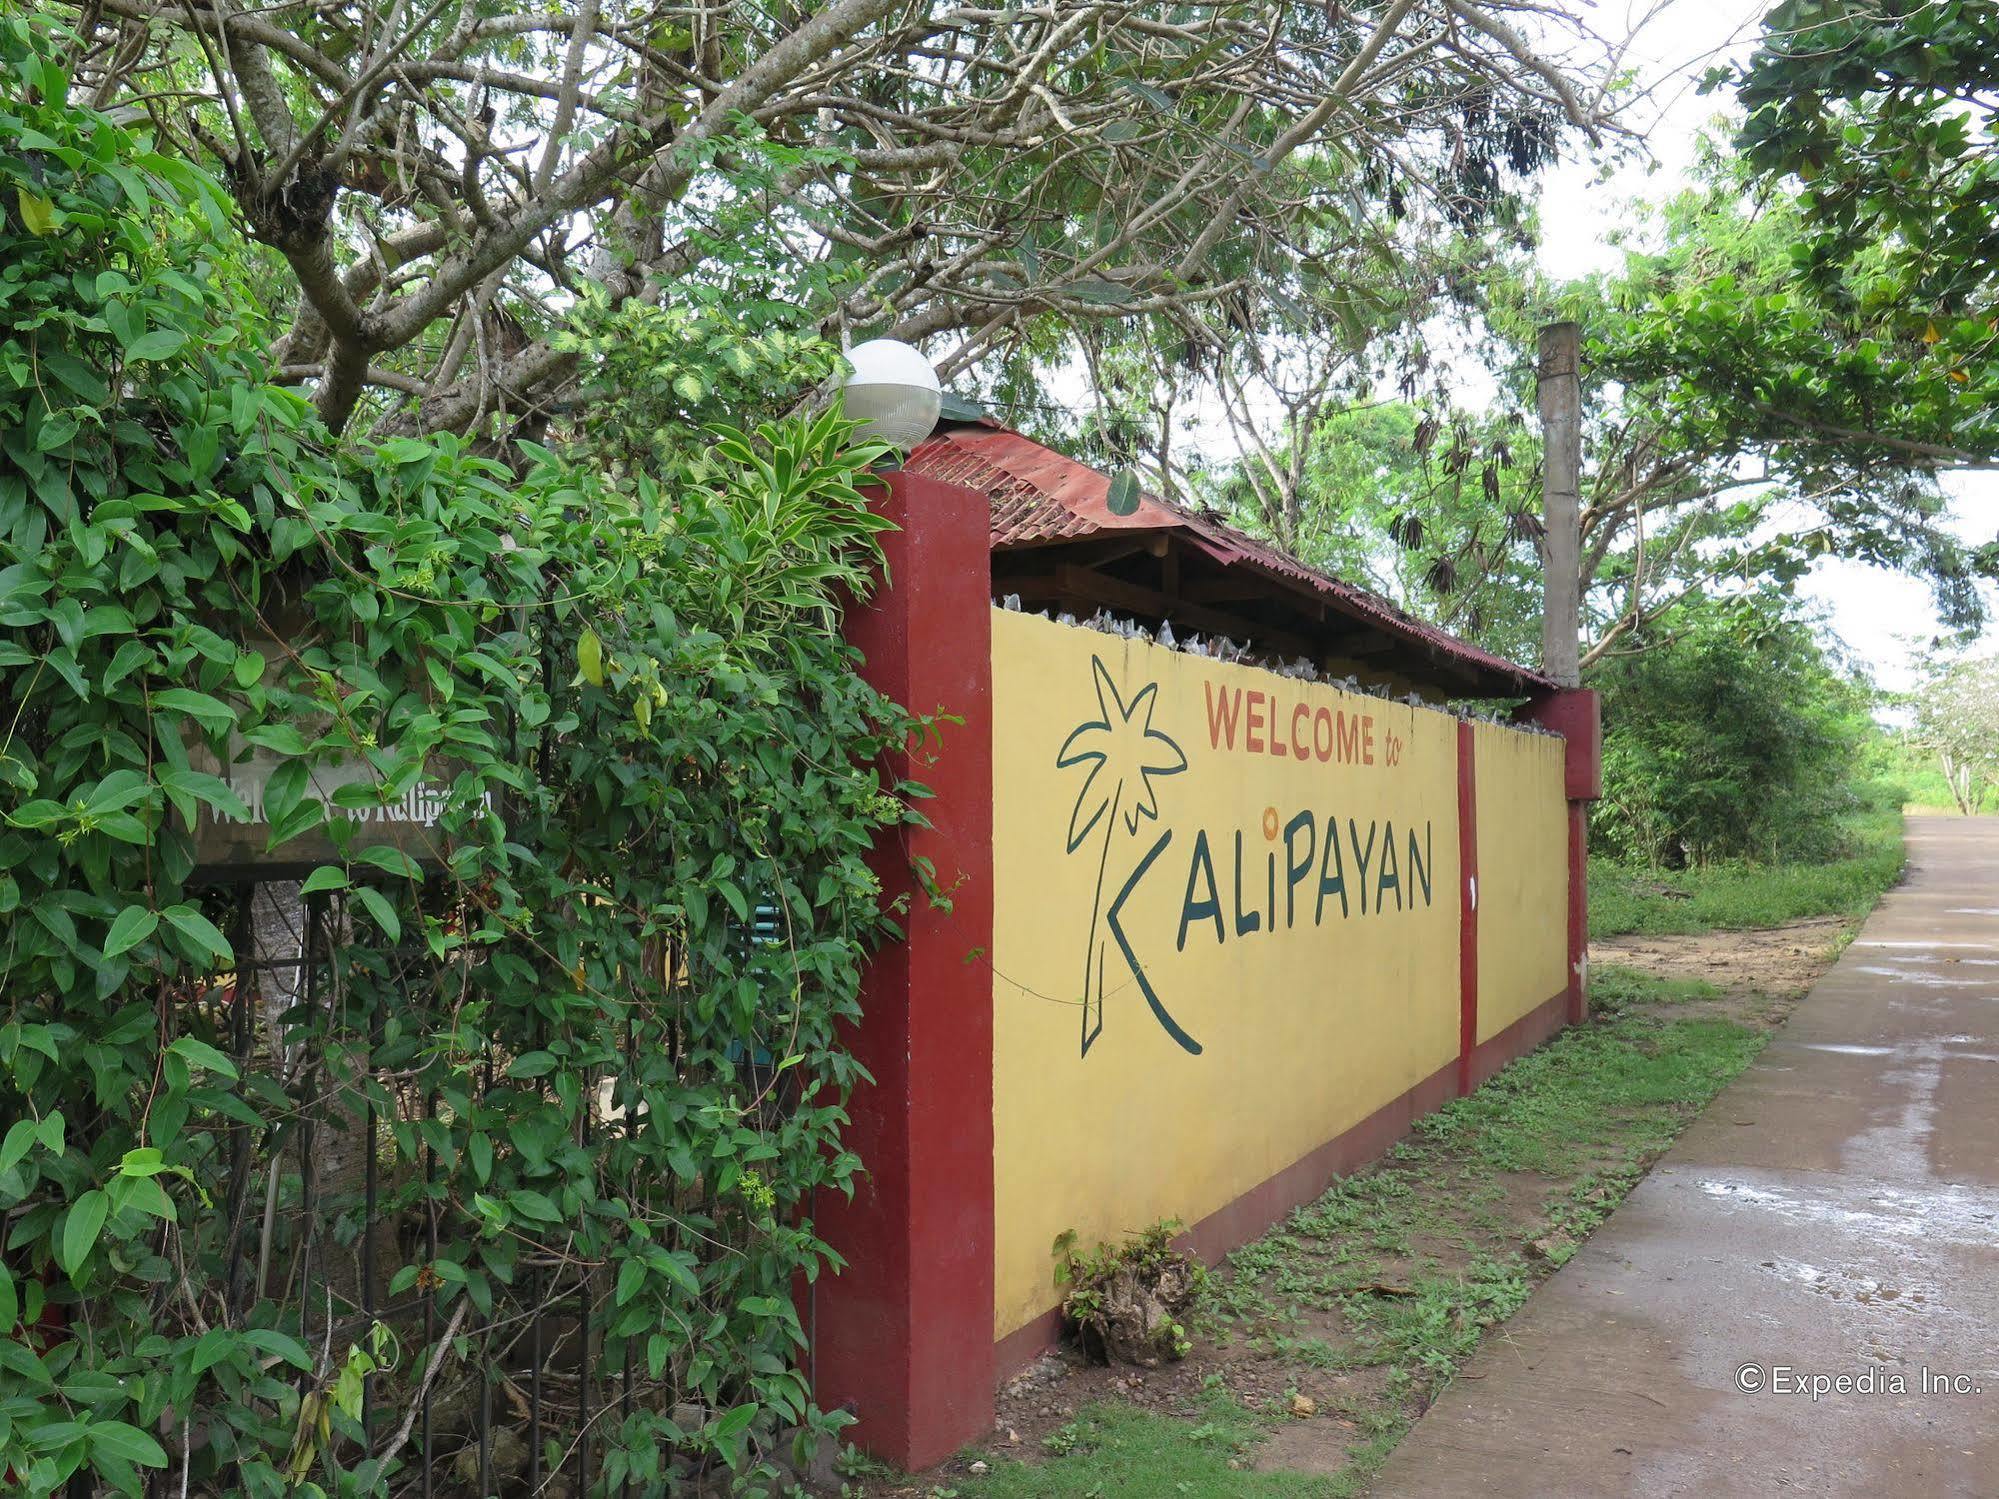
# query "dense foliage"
(995, 183)
(1885, 115)
(577, 1081)
(1690, 486)
(1740, 741)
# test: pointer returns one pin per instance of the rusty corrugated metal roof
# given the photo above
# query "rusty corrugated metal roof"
(1041, 498)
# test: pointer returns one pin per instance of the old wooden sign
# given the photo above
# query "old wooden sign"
(225, 844)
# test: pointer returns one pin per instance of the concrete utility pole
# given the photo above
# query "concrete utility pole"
(1560, 390)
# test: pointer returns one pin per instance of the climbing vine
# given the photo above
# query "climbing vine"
(509, 1159)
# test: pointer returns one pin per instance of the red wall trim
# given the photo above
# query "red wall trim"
(1519, 1038)
(1577, 715)
(1467, 903)
(902, 1336)
(1027, 1343)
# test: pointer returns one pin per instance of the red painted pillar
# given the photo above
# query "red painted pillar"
(1576, 714)
(1578, 912)
(903, 1335)
(1467, 903)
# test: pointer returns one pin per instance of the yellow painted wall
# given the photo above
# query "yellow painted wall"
(1523, 873)
(1305, 1025)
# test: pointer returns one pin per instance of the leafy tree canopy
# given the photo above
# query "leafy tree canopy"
(1691, 485)
(439, 184)
(1884, 116)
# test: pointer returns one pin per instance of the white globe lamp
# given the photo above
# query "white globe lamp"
(894, 391)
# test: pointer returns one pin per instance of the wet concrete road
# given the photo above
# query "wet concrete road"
(1835, 1212)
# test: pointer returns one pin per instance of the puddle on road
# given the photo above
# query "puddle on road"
(1915, 976)
(1952, 1214)
(1916, 1051)
(1924, 946)
(1847, 1051)
(1845, 1285)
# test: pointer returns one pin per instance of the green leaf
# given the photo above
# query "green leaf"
(394, 860)
(161, 343)
(590, 658)
(80, 1230)
(679, 1272)
(531, 1204)
(77, 375)
(143, 1193)
(377, 906)
(215, 1346)
(279, 738)
(19, 1359)
(188, 787)
(127, 1443)
(133, 925)
(142, 1160)
(209, 712)
(1101, 293)
(201, 1054)
(284, 791)
(38, 214)
(1158, 98)
(40, 813)
(1123, 496)
(14, 1149)
(734, 896)
(631, 1275)
(281, 1345)
(198, 928)
(10, 1302)
(326, 877)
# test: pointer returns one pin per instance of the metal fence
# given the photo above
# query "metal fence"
(321, 1209)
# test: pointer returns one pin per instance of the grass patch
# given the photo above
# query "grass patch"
(1615, 989)
(1368, 1299)
(1620, 1090)
(1625, 899)
(1112, 1450)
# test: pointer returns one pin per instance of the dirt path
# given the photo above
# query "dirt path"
(1829, 1226)
(1761, 974)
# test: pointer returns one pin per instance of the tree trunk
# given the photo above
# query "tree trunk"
(1560, 390)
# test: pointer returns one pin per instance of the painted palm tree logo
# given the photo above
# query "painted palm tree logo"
(1123, 754)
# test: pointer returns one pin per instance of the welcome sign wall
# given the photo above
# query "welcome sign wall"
(1225, 931)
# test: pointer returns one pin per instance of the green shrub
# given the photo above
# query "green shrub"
(593, 1102)
(1738, 739)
